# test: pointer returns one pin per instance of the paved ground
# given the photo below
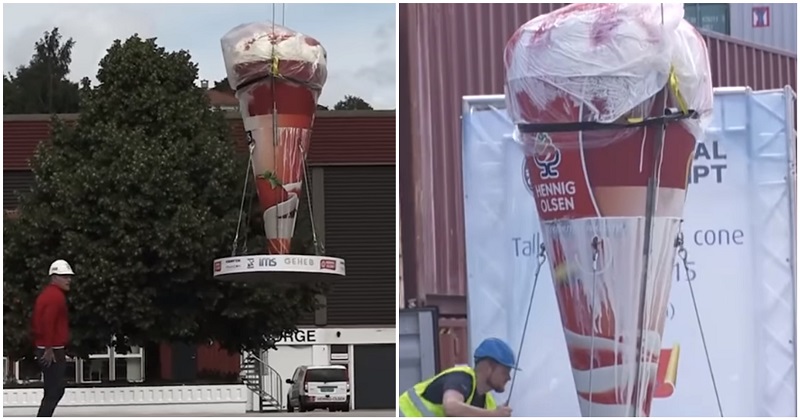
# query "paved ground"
(321, 413)
(317, 413)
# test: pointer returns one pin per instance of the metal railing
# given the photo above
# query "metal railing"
(264, 381)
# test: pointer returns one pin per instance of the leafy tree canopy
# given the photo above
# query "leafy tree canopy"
(222, 86)
(352, 103)
(140, 196)
(42, 87)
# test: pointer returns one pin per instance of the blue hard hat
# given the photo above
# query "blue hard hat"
(497, 350)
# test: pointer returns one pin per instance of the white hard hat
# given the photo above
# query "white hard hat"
(61, 268)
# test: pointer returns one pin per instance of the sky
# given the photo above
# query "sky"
(360, 38)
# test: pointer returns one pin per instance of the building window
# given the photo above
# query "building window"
(340, 354)
(709, 16)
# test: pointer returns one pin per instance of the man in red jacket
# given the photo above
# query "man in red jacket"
(51, 334)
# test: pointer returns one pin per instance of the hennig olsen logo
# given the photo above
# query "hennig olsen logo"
(546, 156)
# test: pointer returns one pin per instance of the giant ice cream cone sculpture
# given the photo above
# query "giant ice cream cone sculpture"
(278, 75)
(569, 74)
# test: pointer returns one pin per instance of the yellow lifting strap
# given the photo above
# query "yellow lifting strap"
(673, 86)
(672, 81)
(275, 70)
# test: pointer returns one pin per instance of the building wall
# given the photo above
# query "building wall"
(15, 183)
(359, 226)
(781, 32)
(401, 300)
(338, 138)
(314, 346)
(777, 28)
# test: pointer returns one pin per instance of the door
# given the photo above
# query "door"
(184, 362)
(374, 370)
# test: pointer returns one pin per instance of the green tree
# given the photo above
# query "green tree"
(42, 86)
(222, 86)
(141, 195)
(351, 103)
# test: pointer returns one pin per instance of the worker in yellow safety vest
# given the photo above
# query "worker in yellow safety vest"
(462, 391)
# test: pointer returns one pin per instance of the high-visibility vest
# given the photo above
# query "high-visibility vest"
(412, 404)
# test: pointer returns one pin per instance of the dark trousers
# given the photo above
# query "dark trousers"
(54, 381)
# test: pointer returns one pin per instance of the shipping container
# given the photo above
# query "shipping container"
(419, 346)
(451, 50)
(453, 342)
(401, 300)
(770, 24)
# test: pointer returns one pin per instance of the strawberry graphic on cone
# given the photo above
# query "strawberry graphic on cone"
(278, 75)
(570, 74)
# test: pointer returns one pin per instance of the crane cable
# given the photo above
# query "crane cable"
(541, 257)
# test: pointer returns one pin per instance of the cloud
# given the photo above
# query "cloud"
(94, 29)
(360, 39)
(372, 80)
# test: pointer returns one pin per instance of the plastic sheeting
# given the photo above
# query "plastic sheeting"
(610, 200)
(265, 49)
(603, 62)
(278, 75)
(740, 256)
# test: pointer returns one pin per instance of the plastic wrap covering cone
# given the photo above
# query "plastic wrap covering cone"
(278, 75)
(609, 63)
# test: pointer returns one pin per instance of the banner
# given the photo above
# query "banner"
(739, 235)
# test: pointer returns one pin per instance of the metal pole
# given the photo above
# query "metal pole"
(652, 189)
(791, 181)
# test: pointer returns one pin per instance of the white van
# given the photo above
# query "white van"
(314, 387)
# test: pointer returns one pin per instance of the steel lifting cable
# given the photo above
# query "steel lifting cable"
(319, 247)
(541, 257)
(248, 220)
(235, 244)
(275, 133)
(652, 186)
(595, 254)
(650, 204)
(684, 257)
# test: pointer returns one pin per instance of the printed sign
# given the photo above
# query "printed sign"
(299, 336)
(738, 251)
(761, 18)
